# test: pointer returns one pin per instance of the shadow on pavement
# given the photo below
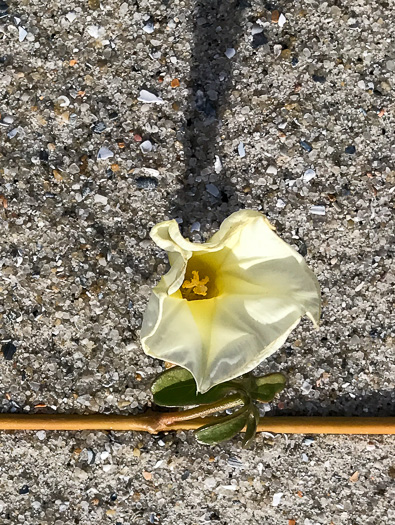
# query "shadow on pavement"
(378, 403)
(216, 30)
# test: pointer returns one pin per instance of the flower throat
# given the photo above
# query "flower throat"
(200, 280)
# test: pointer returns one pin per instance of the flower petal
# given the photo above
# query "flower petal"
(169, 332)
(244, 331)
(260, 262)
(167, 234)
(287, 279)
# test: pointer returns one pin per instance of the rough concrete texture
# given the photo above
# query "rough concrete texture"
(292, 115)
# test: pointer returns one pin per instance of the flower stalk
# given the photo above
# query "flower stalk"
(204, 410)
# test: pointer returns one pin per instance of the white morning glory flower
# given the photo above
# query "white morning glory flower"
(227, 304)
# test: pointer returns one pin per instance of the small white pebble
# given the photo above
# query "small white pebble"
(149, 98)
(224, 489)
(277, 48)
(256, 29)
(8, 119)
(281, 20)
(308, 175)
(210, 482)
(63, 101)
(104, 153)
(11, 134)
(195, 227)
(360, 286)
(123, 9)
(101, 199)
(80, 474)
(280, 203)
(318, 210)
(241, 150)
(355, 340)
(41, 435)
(71, 16)
(96, 31)
(146, 146)
(217, 164)
(272, 170)
(277, 498)
(230, 52)
(149, 28)
(22, 34)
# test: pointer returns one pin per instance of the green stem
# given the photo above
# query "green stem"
(204, 410)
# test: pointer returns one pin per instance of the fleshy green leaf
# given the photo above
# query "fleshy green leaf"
(226, 428)
(266, 387)
(176, 387)
(252, 422)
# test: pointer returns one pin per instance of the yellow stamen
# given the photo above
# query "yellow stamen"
(198, 285)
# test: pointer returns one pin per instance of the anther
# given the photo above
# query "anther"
(197, 285)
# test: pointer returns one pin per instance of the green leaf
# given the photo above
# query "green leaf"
(252, 422)
(176, 387)
(226, 428)
(266, 387)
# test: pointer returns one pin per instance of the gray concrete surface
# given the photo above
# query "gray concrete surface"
(312, 102)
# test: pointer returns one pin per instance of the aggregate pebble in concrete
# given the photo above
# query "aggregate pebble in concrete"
(78, 196)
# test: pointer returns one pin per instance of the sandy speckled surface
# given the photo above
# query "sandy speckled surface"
(312, 103)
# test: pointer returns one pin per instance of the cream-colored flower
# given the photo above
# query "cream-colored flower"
(229, 303)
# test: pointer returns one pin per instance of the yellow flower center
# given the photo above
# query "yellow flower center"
(201, 279)
(195, 287)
